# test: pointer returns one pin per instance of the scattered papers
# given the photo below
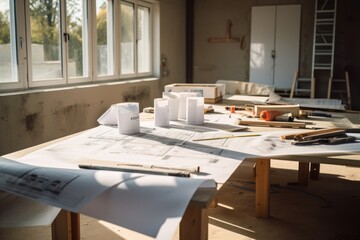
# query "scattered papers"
(315, 103)
(126, 199)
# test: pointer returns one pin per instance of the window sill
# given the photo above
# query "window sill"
(85, 85)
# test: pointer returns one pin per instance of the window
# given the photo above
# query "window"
(8, 56)
(77, 38)
(104, 37)
(135, 38)
(45, 41)
(127, 38)
(62, 42)
(143, 39)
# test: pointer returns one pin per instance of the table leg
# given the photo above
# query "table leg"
(315, 171)
(194, 223)
(66, 226)
(303, 173)
(262, 188)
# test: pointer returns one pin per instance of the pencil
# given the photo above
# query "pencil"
(225, 137)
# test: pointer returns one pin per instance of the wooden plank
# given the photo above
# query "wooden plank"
(312, 95)
(329, 88)
(66, 226)
(300, 135)
(262, 188)
(272, 124)
(293, 85)
(194, 223)
(347, 80)
(294, 109)
(303, 173)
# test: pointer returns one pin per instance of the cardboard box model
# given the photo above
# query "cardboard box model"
(212, 93)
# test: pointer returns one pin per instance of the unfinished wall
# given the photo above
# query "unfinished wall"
(213, 61)
(173, 41)
(347, 47)
(31, 118)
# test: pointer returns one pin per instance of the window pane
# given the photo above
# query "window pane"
(143, 17)
(77, 29)
(45, 40)
(104, 30)
(127, 38)
(8, 59)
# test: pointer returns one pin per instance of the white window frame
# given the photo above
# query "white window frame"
(136, 73)
(87, 53)
(87, 47)
(112, 34)
(21, 22)
(18, 49)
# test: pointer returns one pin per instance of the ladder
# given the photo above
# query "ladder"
(323, 49)
(324, 41)
(340, 88)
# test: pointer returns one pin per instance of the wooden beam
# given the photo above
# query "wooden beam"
(262, 188)
(195, 221)
(303, 173)
(189, 40)
(66, 226)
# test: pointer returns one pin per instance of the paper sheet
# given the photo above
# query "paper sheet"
(149, 204)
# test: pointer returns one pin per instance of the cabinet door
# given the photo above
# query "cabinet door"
(275, 40)
(262, 44)
(287, 44)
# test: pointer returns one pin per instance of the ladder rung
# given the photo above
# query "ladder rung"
(325, 20)
(323, 44)
(322, 68)
(325, 11)
(303, 90)
(323, 53)
(324, 23)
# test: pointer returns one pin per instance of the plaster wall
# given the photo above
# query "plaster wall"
(34, 117)
(230, 61)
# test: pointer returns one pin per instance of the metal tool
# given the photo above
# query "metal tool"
(331, 141)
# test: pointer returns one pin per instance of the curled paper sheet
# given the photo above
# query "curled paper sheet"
(109, 117)
(174, 99)
(161, 112)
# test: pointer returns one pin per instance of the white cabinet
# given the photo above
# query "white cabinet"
(274, 49)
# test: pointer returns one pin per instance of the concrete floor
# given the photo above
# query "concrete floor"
(329, 208)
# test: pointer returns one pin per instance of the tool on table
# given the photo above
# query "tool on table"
(234, 108)
(209, 109)
(318, 133)
(137, 168)
(306, 113)
(275, 115)
(330, 140)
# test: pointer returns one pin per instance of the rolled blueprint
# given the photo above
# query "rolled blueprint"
(161, 112)
(182, 103)
(128, 118)
(195, 110)
(174, 99)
